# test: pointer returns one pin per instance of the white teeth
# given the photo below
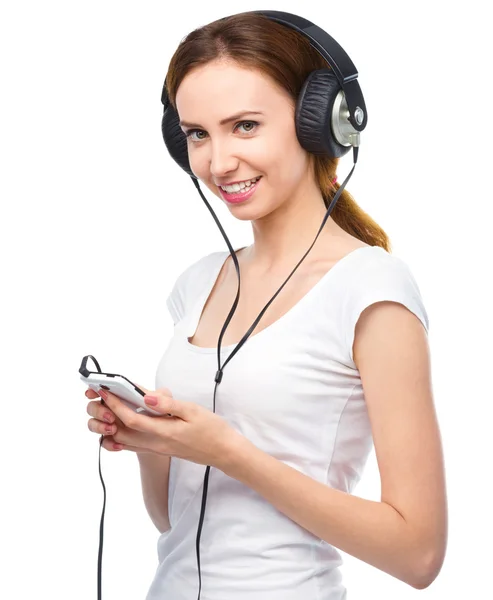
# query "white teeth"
(236, 187)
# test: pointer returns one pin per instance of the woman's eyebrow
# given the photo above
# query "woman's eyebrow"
(228, 120)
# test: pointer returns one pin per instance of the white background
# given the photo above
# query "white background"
(97, 221)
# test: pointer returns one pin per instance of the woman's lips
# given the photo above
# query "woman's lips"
(236, 197)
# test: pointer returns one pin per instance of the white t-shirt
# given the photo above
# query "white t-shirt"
(294, 391)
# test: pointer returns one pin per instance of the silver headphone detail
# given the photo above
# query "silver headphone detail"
(343, 131)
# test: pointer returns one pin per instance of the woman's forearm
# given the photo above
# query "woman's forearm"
(154, 475)
(373, 532)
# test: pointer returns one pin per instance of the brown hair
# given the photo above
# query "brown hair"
(255, 41)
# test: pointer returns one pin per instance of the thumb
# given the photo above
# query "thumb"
(162, 390)
(161, 401)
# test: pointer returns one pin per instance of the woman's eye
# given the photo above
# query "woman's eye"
(241, 123)
(249, 123)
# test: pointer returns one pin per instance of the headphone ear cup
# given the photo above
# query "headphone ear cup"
(314, 114)
(175, 140)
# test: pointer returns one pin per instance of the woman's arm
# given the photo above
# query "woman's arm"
(154, 475)
(405, 533)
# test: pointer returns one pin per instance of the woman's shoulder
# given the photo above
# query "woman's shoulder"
(199, 269)
(189, 282)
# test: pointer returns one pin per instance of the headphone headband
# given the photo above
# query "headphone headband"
(334, 54)
(325, 44)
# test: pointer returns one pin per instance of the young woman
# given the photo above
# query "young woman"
(338, 363)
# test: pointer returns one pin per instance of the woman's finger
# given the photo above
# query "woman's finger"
(98, 411)
(109, 441)
(97, 426)
(109, 444)
(103, 413)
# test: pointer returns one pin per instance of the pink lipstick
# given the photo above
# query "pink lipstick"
(236, 197)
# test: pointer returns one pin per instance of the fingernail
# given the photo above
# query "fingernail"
(103, 394)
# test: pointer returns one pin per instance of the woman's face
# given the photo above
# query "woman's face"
(249, 146)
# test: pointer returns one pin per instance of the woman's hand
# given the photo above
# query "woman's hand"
(192, 432)
(104, 417)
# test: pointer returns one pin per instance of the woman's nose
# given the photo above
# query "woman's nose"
(222, 161)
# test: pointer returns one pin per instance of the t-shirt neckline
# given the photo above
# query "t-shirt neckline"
(196, 312)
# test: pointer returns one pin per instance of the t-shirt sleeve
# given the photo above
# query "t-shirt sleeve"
(176, 301)
(390, 279)
(187, 285)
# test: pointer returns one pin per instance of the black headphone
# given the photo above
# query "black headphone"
(330, 114)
